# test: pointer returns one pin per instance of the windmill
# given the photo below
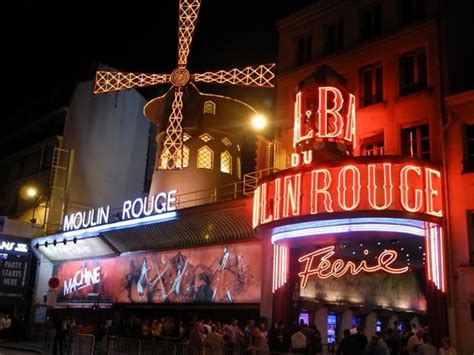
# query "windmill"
(256, 76)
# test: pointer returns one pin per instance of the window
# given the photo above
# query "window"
(205, 137)
(303, 50)
(416, 141)
(185, 159)
(470, 234)
(226, 141)
(371, 84)
(413, 76)
(186, 137)
(411, 11)
(370, 22)
(468, 148)
(226, 162)
(372, 146)
(333, 37)
(205, 158)
(210, 107)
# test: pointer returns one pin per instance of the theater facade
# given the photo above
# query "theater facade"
(334, 240)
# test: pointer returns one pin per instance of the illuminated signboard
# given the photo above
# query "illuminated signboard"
(323, 114)
(140, 207)
(401, 185)
(14, 268)
(326, 268)
(217, 274)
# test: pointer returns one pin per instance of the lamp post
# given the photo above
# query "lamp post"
(33, 193)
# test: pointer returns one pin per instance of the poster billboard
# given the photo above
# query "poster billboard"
(217, 274)
(14, 268)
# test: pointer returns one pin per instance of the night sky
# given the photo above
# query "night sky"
(54, 44)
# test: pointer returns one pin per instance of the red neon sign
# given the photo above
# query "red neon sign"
(362, 186)
(334, 119)
(326, 268)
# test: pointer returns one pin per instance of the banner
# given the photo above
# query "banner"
(219, 274)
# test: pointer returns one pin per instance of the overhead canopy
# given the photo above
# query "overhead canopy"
(218, 223)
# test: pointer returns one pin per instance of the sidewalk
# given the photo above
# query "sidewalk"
(33, 347)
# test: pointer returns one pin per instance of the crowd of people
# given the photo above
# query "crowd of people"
(393, 342)
(252, 337)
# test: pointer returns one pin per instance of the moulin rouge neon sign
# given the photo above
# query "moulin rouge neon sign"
(406, 187)
(326, 268)
(330, 121)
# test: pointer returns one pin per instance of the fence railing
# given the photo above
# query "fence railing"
(85, 344)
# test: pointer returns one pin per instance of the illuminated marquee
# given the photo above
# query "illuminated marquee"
(358, 186)
(140, 207)
(326, 268)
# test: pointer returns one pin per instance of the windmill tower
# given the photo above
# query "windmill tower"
(182, 161)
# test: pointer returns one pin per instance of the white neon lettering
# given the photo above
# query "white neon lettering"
(126, 210)
(256, 207)
(265, 217)
(277, 199)
(160, 207)
(171, 200)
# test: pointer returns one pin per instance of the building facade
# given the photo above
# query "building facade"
(394, 57)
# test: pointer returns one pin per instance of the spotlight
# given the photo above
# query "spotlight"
(64, 241)
(75, 240)
(46, 244)
(54, 243)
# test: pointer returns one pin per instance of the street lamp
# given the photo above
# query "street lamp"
(33, 193)
(259, 122)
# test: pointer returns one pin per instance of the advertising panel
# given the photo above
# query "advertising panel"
(14, 268)
(218, 274)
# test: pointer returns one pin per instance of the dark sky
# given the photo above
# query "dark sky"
(52, 44)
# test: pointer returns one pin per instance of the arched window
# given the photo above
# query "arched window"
(210, 107)
(205, 158)
(206, 137)
(164, 159)
(239, 171)
(226, 162)
(226, 141)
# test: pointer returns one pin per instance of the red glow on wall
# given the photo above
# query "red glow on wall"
(362, 186)
(326, 268)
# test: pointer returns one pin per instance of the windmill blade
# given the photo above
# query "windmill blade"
(188, 14)
(108, 81)
(171, 154)
(261, 76)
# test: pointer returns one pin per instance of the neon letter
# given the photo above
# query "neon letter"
(342, 188)
(291, 195)
(298, 124)
(387, 186)
(264, 218)
(431, 192)
(315, 190)
(404, 187)
(351, 121)
(324, 111)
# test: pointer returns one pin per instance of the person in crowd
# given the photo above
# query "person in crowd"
(59, 336)
(299, 343)
(360, 338)
(315, 340)
(2, 327)
(415, 342)
(376, 346)
(393, 340)
(427, 348)
(348, 345)
(214, 342)
(446, 348)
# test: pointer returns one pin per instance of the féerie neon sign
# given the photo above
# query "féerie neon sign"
(358, 186)
(326, 268)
